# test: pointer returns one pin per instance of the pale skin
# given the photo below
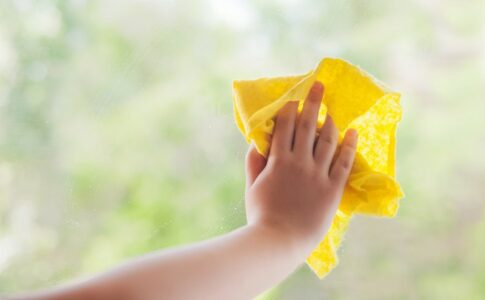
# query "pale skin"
(291, 199)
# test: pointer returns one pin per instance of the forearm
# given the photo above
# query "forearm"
(238, 265)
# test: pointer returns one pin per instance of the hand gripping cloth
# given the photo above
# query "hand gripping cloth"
(354, 99)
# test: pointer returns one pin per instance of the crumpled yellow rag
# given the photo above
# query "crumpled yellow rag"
(354, 99)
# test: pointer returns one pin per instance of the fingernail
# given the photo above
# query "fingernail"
(317, 87)
(352, 133)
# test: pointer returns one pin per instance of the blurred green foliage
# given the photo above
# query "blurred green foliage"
(117, 137)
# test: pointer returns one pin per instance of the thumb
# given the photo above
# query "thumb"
(255, 164)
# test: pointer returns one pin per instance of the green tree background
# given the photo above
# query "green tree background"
(117, 135)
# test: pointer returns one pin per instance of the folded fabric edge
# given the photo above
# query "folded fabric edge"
(328, 247)
(389, 196)
(237, 117)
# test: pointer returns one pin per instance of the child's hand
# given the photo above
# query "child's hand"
(297, 191)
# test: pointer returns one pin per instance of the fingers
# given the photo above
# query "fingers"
(255, 164)
(307, 123)
(284, 129)
(340, 169)
(326, 145)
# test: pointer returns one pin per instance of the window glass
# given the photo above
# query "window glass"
(117, 135)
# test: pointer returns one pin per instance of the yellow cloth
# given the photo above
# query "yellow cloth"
(354, 99)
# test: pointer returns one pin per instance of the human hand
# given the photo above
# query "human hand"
(296, 192)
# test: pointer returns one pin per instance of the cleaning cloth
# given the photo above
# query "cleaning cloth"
(354, 99)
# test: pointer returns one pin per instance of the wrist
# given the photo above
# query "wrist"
(282, 238)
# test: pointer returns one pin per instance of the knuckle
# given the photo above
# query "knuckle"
(337, 177)
(345, 164)
(326, 187)
(327, 139)
(300, 167)
(279, 160)
(321, 184)
(314, 95)
(306, 124)
(350, 147)
(296, 164)
(313, 99)
(342, 171)
(318, 176)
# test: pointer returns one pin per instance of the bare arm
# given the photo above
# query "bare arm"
(291, 200)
